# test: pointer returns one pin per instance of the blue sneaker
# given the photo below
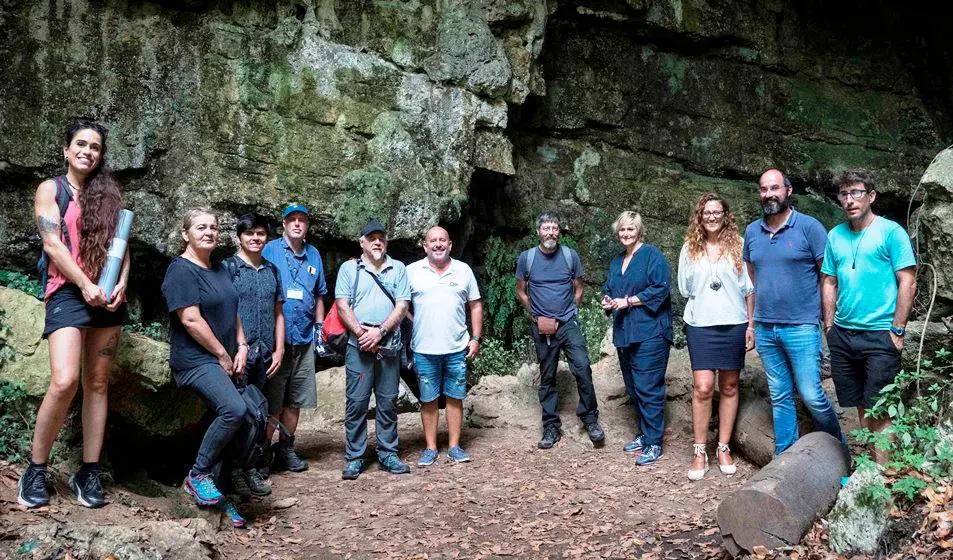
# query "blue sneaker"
(633, 446)
(427, 458)
(352, 469)
(649, 455)
(228, 507)
(392, 464)
(456, 454)
(203, 489)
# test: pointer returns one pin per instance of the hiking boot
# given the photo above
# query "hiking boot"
(256, 483)
(392, 464)
(201, 487)
(633, 446)
(650, 454)
(31, 489)
(427, 458)
(264, 464)
(352, 469)
(88, 488)
(239, 483)
(287, 459)
(456, 454)
(596, 434)
(229, 508)
(551, 434)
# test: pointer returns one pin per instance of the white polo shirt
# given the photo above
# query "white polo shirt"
(440, 301)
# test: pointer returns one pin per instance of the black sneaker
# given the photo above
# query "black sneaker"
(239, 484)
(596, 434)
(31, 489)
(256, 483)
(287, 459)
(551, 434)
(88, 488)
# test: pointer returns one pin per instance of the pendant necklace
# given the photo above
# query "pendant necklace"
(853, 265)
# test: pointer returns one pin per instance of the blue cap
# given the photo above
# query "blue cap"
(294, 207)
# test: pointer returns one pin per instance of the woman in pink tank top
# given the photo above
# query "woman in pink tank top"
(82, 323)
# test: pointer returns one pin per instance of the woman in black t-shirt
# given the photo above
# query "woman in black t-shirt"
(207, 344)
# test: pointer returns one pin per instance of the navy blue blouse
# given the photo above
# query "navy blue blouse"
(647, 277)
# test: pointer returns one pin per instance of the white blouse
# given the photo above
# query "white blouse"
(704, 306)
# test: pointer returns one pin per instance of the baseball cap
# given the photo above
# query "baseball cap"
(372, 226)
(294, 207)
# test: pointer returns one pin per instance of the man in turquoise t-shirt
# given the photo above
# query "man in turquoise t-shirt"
(868, 288)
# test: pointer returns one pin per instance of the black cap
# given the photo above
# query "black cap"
(372, 226)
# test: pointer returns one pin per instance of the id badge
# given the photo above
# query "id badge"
(295, 294)
(311, 270)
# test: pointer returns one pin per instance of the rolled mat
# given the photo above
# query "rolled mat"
(117, 251)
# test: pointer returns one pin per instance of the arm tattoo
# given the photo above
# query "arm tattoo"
(47, 224)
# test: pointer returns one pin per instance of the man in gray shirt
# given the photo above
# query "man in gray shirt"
(372, 295)
(549, 285)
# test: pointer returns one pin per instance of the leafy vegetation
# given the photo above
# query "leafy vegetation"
(920, 438)
(16, 411)
(20, 281)
(153, 329)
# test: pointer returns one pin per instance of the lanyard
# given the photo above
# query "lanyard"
(295, 271)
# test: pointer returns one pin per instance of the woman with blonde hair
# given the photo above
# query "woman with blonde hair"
(718, 321)
(636, 293)
(207, 348)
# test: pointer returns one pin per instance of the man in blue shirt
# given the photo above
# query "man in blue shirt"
(372, 294)
(783, 252)
(549, 285)
(869, 284)
(302, 279)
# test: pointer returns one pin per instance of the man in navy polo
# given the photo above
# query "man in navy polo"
(783, 252)
(302, 279)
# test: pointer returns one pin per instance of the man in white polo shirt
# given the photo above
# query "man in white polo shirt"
(441, 289)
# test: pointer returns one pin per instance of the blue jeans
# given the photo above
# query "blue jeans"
(643, 366)
(223, 400)
(366, 372)
(441, 373)
(792, 358)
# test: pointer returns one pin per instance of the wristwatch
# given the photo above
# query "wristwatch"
(383, 330)
(899, 331)
(476, 339)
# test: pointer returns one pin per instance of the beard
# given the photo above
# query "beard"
(549, 244)
(773, 206)
(377, 254)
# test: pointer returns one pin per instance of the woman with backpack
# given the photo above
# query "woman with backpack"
(207, 347)
(76, 214)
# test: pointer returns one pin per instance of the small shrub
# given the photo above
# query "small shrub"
(495, 358)
(16, 422)
(20, 281)
(153, 330)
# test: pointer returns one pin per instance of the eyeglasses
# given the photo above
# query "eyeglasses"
(712, 214)
(856, 194)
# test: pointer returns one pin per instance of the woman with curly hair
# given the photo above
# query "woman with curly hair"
(718, 323)
(82, 323)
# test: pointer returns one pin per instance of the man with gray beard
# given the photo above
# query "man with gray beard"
(783, 252)
(549, 285)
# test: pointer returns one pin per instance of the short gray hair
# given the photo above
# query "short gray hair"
(547, 217)
(629, 217)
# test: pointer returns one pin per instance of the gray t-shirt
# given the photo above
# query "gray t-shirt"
(371, 306)
(549, 283)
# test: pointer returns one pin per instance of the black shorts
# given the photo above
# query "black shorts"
(67, 308)
(862, 363)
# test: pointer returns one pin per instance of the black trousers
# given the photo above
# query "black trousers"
(570, 339)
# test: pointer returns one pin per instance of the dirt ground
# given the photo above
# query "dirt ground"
(513, 500)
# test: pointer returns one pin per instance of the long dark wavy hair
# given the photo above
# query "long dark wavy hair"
(100, 200)
(729, 238)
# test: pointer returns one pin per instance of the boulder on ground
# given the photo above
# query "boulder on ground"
(859, 518)
(192, 539)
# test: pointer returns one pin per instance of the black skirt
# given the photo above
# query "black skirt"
(720, 347)
(67, 308)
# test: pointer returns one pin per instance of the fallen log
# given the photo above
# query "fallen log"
(753, 435)
(780, 503)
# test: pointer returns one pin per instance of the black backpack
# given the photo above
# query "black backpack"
(63, 196)
(250, 442)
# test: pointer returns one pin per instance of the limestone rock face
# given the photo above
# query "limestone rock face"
(356, 109)
(141, 390)
(859, 518)
(195, 540)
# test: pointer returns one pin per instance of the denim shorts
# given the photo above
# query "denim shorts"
(441, 371)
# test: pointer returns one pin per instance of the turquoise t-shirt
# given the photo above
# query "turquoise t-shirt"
(865, 264)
